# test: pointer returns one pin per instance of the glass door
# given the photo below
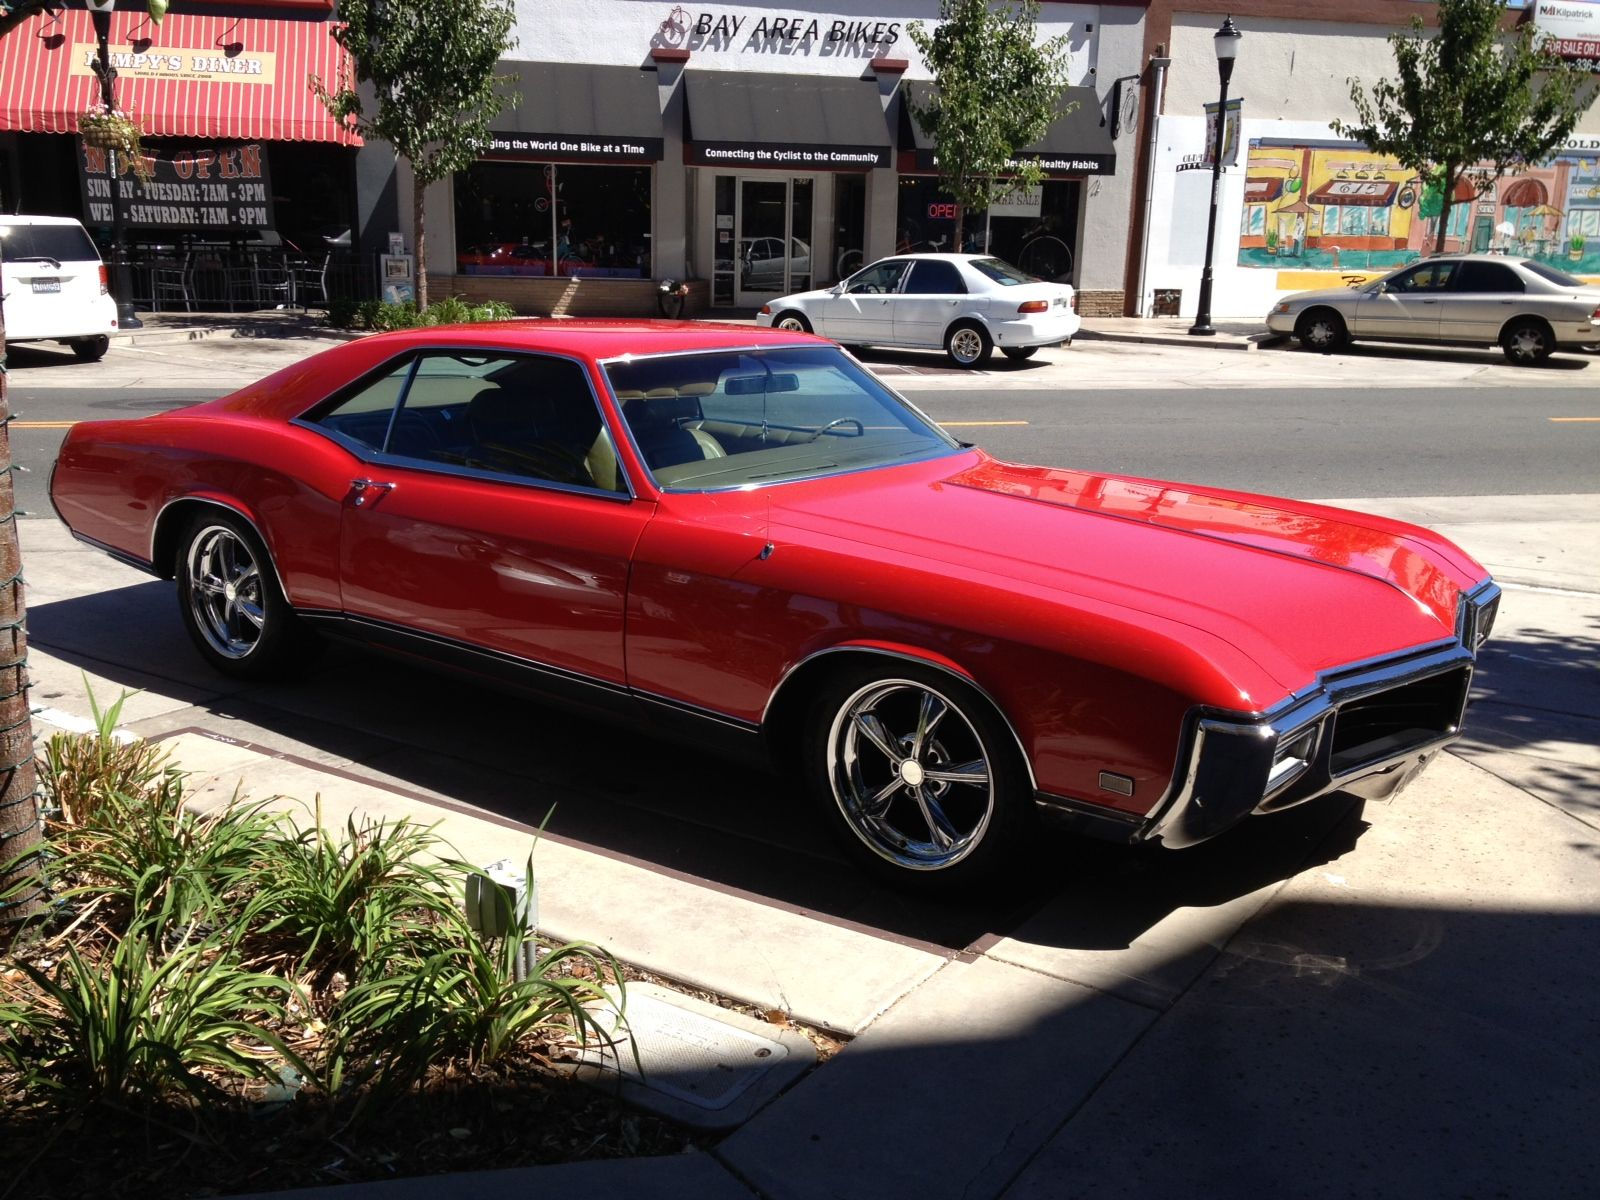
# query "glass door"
(773, 235)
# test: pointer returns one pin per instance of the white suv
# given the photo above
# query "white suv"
(55, 286)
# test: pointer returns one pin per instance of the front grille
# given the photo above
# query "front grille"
(1398, 720)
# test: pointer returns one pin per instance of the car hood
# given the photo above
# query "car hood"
(1295, 588)
(1326, 294)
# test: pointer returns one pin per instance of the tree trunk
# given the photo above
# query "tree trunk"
(1451, 174)
(20, 893)
(418, 187)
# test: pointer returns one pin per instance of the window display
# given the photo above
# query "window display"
(553, 219)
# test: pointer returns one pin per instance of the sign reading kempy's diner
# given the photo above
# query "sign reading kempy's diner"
(573, 147)
(220, 189)
(206, 66)
(810, 158)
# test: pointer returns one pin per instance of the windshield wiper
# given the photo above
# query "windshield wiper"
(54, 263)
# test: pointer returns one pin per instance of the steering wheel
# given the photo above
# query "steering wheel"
(834, 424)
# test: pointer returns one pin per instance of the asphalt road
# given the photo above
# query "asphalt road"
(1322, 443)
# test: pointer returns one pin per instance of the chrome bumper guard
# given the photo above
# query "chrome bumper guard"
(1367, 729)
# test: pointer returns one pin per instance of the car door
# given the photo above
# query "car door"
(863, 310)
(930, 298)
(488, 523)
(1406, 305)
(1483, 296)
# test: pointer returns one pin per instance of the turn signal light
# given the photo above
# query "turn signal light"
(766, 310)
(105, 279)
(1031, 306)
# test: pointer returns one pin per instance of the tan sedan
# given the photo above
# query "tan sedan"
(1525, 307)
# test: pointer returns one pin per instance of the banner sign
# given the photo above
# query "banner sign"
(204, 66)
(1230, 134)
(220, 189)
(808, 158)
(1050, 162)
(580, 148)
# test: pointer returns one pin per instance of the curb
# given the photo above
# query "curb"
(256, 331)
(1254, 341)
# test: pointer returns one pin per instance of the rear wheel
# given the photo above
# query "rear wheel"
(1527, 342)
(231, 604)
(91, 349)
(919, 778)
(968, 344)
(1321, 329)
(1019, 353)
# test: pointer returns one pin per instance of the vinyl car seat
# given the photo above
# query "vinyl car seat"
(656, 420)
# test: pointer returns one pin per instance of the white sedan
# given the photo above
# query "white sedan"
(966, 303)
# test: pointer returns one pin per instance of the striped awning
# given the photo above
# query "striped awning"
(211, 77)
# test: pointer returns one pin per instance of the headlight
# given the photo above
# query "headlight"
(1282, 306)
(1292, 758)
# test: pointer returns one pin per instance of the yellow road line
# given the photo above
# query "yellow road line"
(957, 424)
(1573, 418)
(43, 424)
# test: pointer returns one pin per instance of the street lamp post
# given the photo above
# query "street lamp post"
(100, 14)
(1226, 42)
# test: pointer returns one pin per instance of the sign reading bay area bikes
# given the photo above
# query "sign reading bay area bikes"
(215, 189)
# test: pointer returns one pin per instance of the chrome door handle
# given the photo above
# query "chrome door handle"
(362, 488)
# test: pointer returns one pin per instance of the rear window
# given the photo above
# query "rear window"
(1002, 272)
(64, 243)
(1559, 278)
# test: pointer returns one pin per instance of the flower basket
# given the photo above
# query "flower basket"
(107, 129)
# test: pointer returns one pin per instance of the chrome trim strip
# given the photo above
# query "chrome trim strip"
(911, 658)
(155, 529)
(367, 454)
(696, 710)
(122, 556)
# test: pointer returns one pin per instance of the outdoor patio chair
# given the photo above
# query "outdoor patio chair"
(172, 279)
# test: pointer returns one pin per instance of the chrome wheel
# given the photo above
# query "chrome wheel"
(225, 591)
(793, 322)
(967, 345)
(910, 774)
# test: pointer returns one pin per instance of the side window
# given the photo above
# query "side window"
(877, 279)
(931, 277)
(1429, 277)
(1487, 277)
(364, 416)
(529, 417)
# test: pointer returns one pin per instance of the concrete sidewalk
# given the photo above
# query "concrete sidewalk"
(1328, 1002)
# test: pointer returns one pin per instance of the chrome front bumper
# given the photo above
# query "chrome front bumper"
(1367, 729)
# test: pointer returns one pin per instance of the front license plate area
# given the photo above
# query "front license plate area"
(47, 285)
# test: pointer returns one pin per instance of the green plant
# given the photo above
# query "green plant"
(340, 900)
(81, 772)
(145, 1020)
(1577, 243)
(343, 312)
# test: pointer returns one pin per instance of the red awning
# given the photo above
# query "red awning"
(1259, 189)
(1525, 193)
(1370, 193)
(192, 76)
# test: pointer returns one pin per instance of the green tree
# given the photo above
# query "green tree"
(431, 66)
(19, 808)
(996, 92)
(1473, 93)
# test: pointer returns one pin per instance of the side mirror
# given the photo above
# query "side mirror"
(837, 289)
(1383, 289)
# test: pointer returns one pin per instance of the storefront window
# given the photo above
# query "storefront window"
(1035, 232)
(550, 218)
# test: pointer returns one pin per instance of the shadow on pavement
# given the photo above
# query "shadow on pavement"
(1562, 360)
(625, 793)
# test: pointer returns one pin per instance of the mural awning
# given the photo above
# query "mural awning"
(1525, 193)
(582, 113)
(1262, 188)
(212, 77)
(1368, 193)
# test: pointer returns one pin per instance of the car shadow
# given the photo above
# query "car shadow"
(670, 808)
(935, 362)
(1561, 360)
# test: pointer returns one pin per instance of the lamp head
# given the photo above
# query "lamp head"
(1226, 40)
(100, 6)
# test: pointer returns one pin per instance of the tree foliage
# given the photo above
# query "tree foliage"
(431, 68)
(997, 89)
(1472, 93)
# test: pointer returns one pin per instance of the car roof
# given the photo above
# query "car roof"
(25, 219)
(943, 257)
(597, 338)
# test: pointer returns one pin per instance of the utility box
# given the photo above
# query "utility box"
(498, 895)
(1167, 302)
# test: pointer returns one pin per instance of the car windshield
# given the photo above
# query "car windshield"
(739, 418)
(64, 243)
(1559, 278)
(1002, 272)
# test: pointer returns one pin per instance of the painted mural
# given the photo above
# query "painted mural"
(1335, 207)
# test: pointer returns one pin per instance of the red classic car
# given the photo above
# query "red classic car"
(741, 536)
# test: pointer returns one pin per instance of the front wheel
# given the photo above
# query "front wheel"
(1019, 353)
(1321, 329)
(1527, 342)
(91, 349)
(231, 604)
(920, 779)
(792, 321)
(968, 344)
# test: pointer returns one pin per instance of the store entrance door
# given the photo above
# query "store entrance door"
(773, 230)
